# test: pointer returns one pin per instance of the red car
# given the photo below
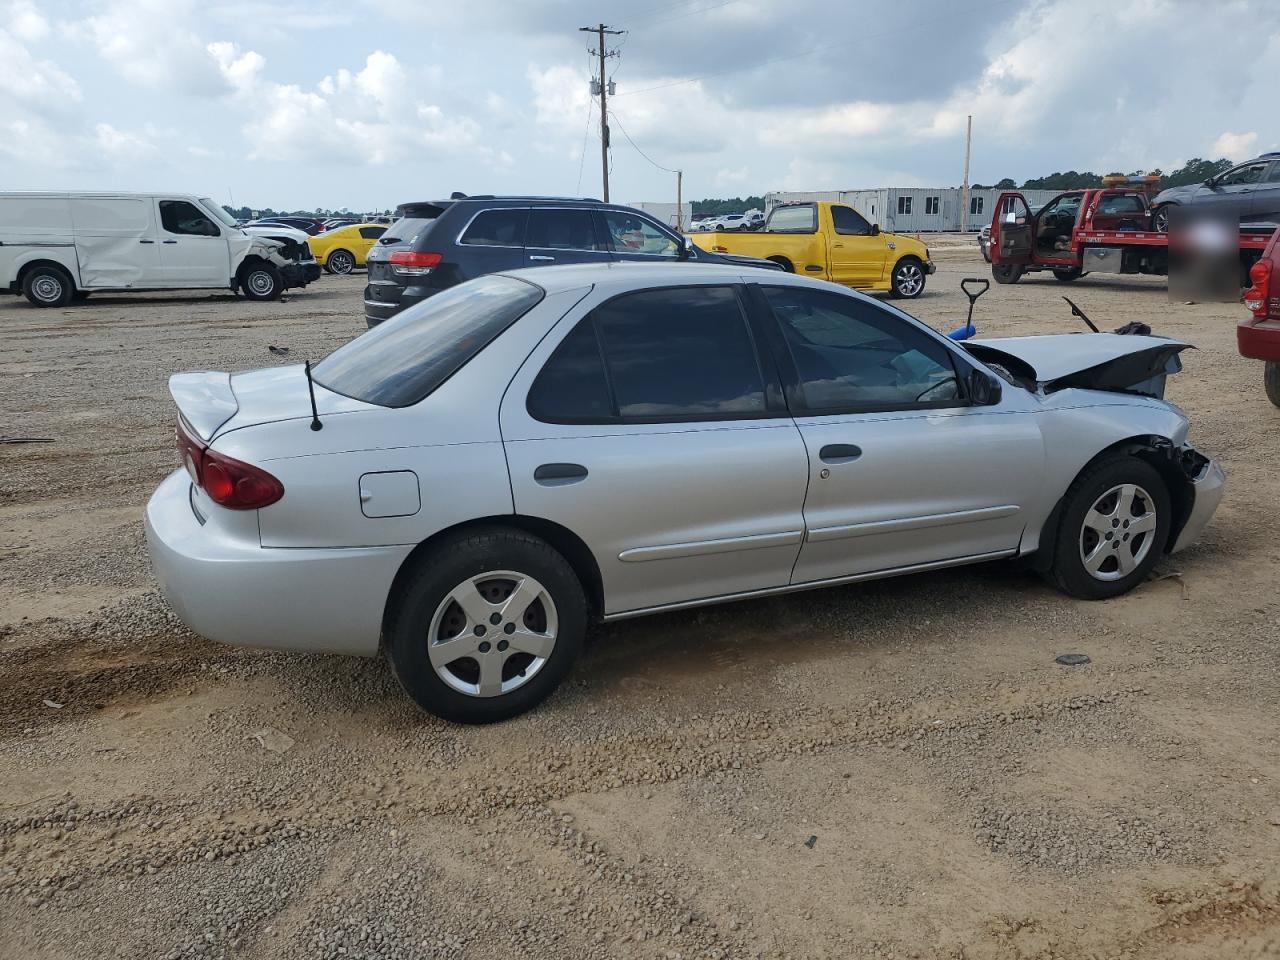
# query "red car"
(1258, 336)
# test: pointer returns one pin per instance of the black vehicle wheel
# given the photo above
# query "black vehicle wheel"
(783, 262)
(486, 626)
(1067, 274)
(47, 287)
(1007, 272)
(1160, 218)
(1113, 529)
(340, 262)
(907, 280)
(1271, 380)
(261, 281)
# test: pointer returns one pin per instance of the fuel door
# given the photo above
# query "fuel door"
(392, 493)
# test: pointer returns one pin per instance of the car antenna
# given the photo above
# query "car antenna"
(311, 389)
(1077, 312)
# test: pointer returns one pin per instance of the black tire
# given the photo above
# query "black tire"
(340, 262)
(907, 281)
(1067, 570)
(261, 281)
(1067, 274)
(783, 262)
(1160, 218)
(1271, 380)
(1007, 272)
(423, 592)
(47, 287)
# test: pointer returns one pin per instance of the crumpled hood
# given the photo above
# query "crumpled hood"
(1092, 361)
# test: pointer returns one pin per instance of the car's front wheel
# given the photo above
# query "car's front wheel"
(1160, 219)
(485, 626)
(908, 279)
(261, 281)
(1113, 527)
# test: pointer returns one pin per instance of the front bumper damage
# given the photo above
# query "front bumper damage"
(300, 274)
(1207, 481)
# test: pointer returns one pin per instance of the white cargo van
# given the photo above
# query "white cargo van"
(59, 247)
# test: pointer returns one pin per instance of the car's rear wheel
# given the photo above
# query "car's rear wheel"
(1007, 272)
(1271, 380)
(907, 281)
(485, 626)
(1113, 527)
(340, 262)
(261, 281)
(47, 287)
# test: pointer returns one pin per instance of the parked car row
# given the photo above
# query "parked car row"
(728, 222)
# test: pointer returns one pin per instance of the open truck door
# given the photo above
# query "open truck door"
(1011, 237)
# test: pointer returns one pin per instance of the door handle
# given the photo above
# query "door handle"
(839, 453)
(536, 257)
(558, 474)
(837, 245)
(171, 241)
(146, 241)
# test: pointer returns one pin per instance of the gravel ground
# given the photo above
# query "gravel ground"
(895, 769)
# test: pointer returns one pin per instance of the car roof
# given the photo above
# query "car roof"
(634, 275)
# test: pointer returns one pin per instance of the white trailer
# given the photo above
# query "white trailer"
(915, 209)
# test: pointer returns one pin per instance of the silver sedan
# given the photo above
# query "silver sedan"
(465, 487)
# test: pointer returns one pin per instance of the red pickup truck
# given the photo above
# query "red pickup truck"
(1258, 335)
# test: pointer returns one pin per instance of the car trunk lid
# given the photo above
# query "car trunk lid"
(1123, 363)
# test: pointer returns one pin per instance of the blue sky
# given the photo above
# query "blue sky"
(366, 105)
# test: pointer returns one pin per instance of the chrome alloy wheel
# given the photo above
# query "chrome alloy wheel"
(492, 633)
(1118, 532)
(909, 279)
(341, 262)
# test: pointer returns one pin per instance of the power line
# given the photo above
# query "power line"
(650, 21)
(614, 114)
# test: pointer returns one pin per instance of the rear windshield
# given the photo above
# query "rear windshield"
(797, 219)
(404, 359)
(405, 230)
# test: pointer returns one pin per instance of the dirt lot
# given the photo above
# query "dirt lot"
(896, 769)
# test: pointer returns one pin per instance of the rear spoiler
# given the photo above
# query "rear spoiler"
(205, 400)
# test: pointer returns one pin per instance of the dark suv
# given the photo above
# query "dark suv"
(433, 246)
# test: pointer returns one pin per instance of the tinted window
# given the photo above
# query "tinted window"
(179, 216)
(633, 234)
(848, 221)
(372, 233)
(797, 219)
(683, 352)
(1126, 203)
(1273, 175)
(572, 385)
(853, 355)
(904, 205)
(497, 228)
(403, 359)
(406, 229)
(562, 230)
(1249, 173)
(975, 204)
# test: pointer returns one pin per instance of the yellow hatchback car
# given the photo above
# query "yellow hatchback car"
(342, 249)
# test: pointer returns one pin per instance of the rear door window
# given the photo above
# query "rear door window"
(496, 228)
(654, 356)
(404, 359)
(562, 229)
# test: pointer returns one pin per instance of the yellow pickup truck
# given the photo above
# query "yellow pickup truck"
(834, 242)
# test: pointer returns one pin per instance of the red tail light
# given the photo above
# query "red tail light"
(413, 264)
(229, 483)
(1255, 298)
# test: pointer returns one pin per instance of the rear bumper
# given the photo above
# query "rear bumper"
(1258, 339)
(236, 592)
(1207, 488)
(300, 274)
(379, 306)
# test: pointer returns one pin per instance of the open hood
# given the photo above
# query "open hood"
(1091, 361)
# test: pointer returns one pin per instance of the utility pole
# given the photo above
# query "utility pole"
(600, 30)
(964, 190)
(679, 201)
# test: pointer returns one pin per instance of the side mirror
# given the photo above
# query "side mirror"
(875, 229)
(1211, 182)
(686, 248)
(984, 388)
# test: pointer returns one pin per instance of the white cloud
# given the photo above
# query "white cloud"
(29, 82)
(152, 42)
(1235, 146)
(25, 21)
(121, 146)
